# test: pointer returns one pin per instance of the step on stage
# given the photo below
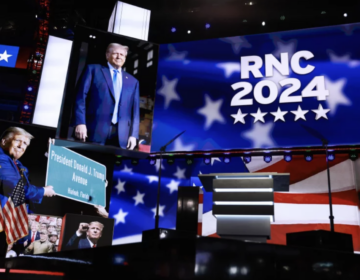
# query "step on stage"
(187, 258)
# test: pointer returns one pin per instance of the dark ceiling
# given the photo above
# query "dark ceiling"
(226, 17)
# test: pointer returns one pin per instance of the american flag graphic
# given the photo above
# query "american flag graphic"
(304, 207)
(14, 214)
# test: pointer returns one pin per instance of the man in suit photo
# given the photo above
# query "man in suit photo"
(107, 105)
(87, 236)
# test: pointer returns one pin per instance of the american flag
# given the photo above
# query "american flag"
(14, 214)
(304, 207)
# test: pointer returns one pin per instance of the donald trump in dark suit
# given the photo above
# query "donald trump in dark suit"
(87, 236)
(107, 102)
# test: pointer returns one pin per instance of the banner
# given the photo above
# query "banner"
(257, 91)
(76, 177)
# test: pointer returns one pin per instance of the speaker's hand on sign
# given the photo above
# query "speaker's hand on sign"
(49, 191)
(131, 143)
(83, 227)
(81, 132)
(101, 211)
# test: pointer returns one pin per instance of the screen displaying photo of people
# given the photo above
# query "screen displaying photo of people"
(83, 232)
(110, 91)
(43, 237)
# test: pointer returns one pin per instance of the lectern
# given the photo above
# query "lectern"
(243, 203)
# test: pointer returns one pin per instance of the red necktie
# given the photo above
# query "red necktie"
(94, 246)
(33, 236)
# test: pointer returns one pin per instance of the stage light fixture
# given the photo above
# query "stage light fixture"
(170, 161)
(207, 26)
(29, 88)
(267, 158)
(134, 162)
(345, 15)
(263, 23)
(288, 157)
(189, 31)
(226, 159)
(247, 159)
(173, 29)
(26, 107)
(152, 161)
(35, 16)
(207, 160)
(94, 37)
(353, 156)
(90, 36)
(189, 161)
(308, 157)
(331, 156)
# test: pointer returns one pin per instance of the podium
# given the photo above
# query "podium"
(243, 203)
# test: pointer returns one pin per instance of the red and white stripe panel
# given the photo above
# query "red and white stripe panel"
(200, 211)
(306, 205)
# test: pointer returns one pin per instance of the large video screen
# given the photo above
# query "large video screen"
(259, 91)
(110, 91)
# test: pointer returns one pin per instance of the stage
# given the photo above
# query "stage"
(188, 258)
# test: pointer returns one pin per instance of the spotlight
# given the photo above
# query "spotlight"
(345, 15)
(134, 162)
(207, 26)
(26, 107)
(267, 158)
(353, 156)
(189, 161)
(247, 159)
(331, 156)
(35, 16)
(90, 36)
(207, 160)
(226, 159)
(173, 29)
(94, 37)
(170, 161)
(29, 88)
(287, 157)
(263, 23)
(152, 161)
(189, 31)
(308, 157)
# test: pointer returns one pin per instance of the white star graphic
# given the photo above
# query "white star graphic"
(346, 59)
(288, 47)
(120, 186)
(260, 135)
(174, 55)
(258, 116)
(229, 68)
(180, 173)
(279, 115)
(239, 117)
(237, 43)
(168, 91)
(213, 159)
(157, 165)
(139, 198)
(5, 56)
(173, 186)
(321, 112)
(211, 111)
(299, 113)
(127, 170)
(336, 95)
(179, 146)
(120, 217)
(153, 178)
(161, 210)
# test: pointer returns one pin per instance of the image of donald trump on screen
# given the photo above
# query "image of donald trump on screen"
(87, 236)
(106, 108)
